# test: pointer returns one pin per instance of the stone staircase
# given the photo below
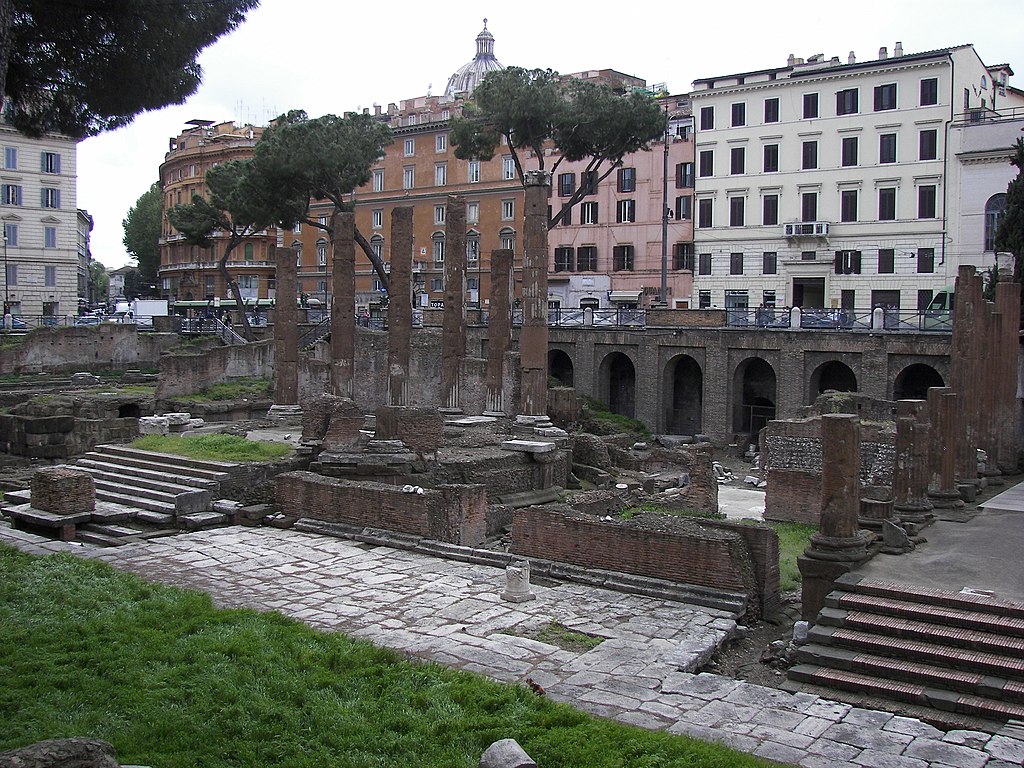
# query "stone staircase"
(958, 652)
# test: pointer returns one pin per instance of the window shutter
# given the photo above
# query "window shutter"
(56, 194)
(839, 262)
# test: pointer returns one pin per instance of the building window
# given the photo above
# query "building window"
(929, 91)
(682, 256)
(886, 261)
(321, 253)
(625, 211)
(885, 97)
(473, 171)
(887, 204)
(565, 259)
(847, 263)
(588, 212)
(808, 255)
(707, 118)
(323, 221)
(297, 228)
(249, 252)
(737, 160)
(706, 163)
(810, 106)
(441, 142)
(50, 197)
(586, 258)
(739, 114)
(928, 148)
(507, 238)
(11, 158)
(925, 260)
(995, 209)
(850, 151)
(409, 177)
(684, 207)
(926, 201)
(508, 167)
(627, 180)
(703, 299)
(11, 194)
(410, 147)
(437, 241)
(588, 180)
(49, 237)
(377, 218)
(49, 276)
(771, 110)
(566, 184)
(622, 258)
(684, 175)
(12, 274)
(735, 263)
(846, 102)
(809, 155)
(472, 248)
(771, 158)
(439, 214)
(50, 162)
(705, 219)
(809, 206)
(437, 284)
(769, 263)
(848, 205)
(440, 174)
(736, 205)
(377, 246)
(508, 210)
(770, 210)
(566, 217)
(704, 264)
(473, 213)
(887, 148)
(11, 233)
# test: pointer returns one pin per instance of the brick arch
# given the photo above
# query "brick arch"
(617, 383)
(560, 366)
(683, 392)
(913, 381)
(833, 374)
(755, 395)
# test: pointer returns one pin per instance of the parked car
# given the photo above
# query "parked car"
(17, 324)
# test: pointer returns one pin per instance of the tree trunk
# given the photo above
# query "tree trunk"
(6, 17)
(235, 292)
(378, 265)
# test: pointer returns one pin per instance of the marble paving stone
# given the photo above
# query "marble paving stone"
(934, 750)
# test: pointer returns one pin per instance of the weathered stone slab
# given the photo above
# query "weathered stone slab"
(506, 754)
(153, 425)
(528, 446)
(177, 419)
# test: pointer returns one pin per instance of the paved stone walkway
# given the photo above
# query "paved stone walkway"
(451, 613)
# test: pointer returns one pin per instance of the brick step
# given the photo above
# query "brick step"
(914, 693)
(970, 601)
(222, 469)
(932, 675)
(168, 484)
(183, 501)
(963, 659)
(95, 465)
(922, 630)
(933, 614)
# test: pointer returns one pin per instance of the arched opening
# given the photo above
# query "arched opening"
(128, 411)
(619, 384)
(686, 383)
(754, 388)
(832, 375)
(913, 382)
(995, 209)
(560, 367)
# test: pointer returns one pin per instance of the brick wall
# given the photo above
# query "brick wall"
(421, 429)
(450, 513)
(63, 490)
(691, 318)
(108, 346)
(764, 549)
(183, 374)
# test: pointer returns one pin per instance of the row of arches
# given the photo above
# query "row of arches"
(755, 388)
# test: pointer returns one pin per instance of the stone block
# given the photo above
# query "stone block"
(528, 446)
(506, 754)
(153, 425)
(177, 419)
(63, 490)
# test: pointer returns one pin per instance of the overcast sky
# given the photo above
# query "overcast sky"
(327, 56)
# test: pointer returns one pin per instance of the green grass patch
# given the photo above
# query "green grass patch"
(214, 447)
(601, 421)
(793, 540)
(174, 683)
(557, 634)
(699, 514)
(238, 389)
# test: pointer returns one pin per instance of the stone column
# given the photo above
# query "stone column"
(964, 362)
(533, 339)
(942, 407)
(910, 486)
(1008, 418)
(499, 329)
(839, 544)
(286, 329)
(453, 327)
(400, 306)
(343, 304)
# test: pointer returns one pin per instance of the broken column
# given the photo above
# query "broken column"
(942, 408)
(400, 306)
(286, 337)
(499, 329)
(910, 483)
(533, 339)
(1007, 412)
(839, 543)
(453, 328)
(965, 362)
(343, 303)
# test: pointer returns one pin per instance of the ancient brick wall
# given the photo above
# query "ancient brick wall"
(455, 514)
(94, 348)
(503, 472)
(691, 318)
(183, 374)
(421, 429)
(764, 549)
(63, 490)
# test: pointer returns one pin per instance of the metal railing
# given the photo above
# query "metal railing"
(815, 319)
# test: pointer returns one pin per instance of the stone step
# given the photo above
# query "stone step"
(129, 499)
(181, 501)
(96, 465)
(933, 675)
(101, 539)
(915, 693)
(220, 470)
(922, 630)
(167, 484)
(156, 517)
(113, 531)
(931, 613)
(964, 599)
(963, 659)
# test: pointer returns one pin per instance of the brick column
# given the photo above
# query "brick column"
(499, 329)
(964, 364)
(286, 328)
(453, 327)
(910, 486)
(533, 339)
(942, 408)
(400, 306)
(1008, 418)
(343, 303)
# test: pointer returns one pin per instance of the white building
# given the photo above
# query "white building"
(40, 220)
(834, 184)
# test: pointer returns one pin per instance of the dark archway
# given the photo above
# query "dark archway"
(560, 367)
(754, 395)
(832, 375)
(128, 411)
(912, 382)
(621, 384)
(686, 383)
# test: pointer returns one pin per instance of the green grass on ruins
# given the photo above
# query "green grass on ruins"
(237, 389)
(170, 681)
(213, 447)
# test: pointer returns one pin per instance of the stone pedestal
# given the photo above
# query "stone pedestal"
(517, 589)
(290, 415)
(817, 578)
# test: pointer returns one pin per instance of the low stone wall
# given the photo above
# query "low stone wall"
(182, 374)
(59, 427)
(503, 472)
(108, 346)
(421, 429)
(456, 514)
(686, 318)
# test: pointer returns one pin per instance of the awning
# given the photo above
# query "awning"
(624, 297)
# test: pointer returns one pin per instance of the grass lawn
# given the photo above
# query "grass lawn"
(170, 681)
(793, 540)
(214, 447)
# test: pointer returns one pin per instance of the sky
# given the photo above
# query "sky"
(330, 56)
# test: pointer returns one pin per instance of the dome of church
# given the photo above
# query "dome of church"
(469, 76)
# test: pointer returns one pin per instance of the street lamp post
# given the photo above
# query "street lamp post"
(7, 278)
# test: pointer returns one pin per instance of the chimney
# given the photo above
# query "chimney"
(898, 50)
(791, 60)
(376, 109)
(883, 53)
(851, 59)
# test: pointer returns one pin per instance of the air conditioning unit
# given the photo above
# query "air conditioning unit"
(821, 228)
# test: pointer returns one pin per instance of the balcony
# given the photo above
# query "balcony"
(799, 229)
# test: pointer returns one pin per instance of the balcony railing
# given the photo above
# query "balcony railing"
(809, 318)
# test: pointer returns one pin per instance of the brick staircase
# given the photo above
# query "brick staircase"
(958, 652)
(139, 492)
